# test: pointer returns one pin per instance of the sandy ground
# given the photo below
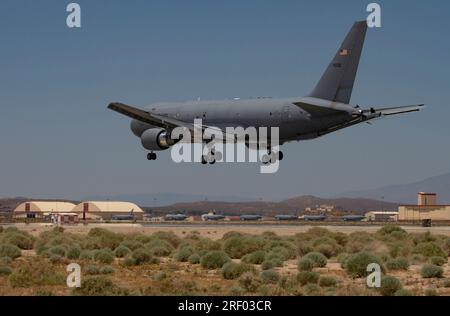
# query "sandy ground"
(216, 231)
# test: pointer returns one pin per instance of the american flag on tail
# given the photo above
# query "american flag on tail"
(344, 52)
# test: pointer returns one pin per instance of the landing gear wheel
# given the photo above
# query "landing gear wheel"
(204, 162)
(151, 156)
(218, 156)
(265, 159)
(280, 155)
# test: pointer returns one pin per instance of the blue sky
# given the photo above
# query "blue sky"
(58, 140)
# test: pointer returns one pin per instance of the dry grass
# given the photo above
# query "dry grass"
(165, 274)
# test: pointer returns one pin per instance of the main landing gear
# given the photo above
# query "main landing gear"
(151, 156)
(272, 157)
(212, 157)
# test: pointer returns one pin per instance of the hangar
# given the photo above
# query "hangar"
(39, 209)
(427, 208)
(107, 210)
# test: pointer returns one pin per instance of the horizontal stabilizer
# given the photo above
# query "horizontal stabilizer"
(396, 110)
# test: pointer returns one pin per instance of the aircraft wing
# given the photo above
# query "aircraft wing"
(161, 120)
(396, 110)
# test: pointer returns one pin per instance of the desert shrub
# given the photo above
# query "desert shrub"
(237, 247)
(232, 270)
(232, 234)
(431, 291)
(429, 249)
(183, 254)
(170, 237)
(122, 251)
(35, 273)
(342, 258)
(418, 259)
(194, 258)
(303, 248)
(305, 277)
(159, 276)
(285, 247)
(389, 286)
(327, 281)
(389, 229)
(312, 289)
(328, 250)
(203, 245)
(446, 283)
(54, 259)
(305, 264)
(256, 257)
(438, 261)
(99, 286)
(5, 261)
(57, 250)
(142, 256)
(23, 240)
(106, 270)
(129, 262)
(86, 255)
(73, 253)
(250, 282)
(275, 255)
(1, 229)
(103, 238)
(160, 247)
(284, 252)
(401, 263)
(403, 292)
(104, 256)
(11, 229)
(132, 244)
(356, 265)
(431, 271)
(4, 271)
(317, 258)
(92, 270)
(399, 249)
(270, 276)
(327, 246)
(358, 242)
(272, 263)
(235, 290)
(214, 259)
(10, 251)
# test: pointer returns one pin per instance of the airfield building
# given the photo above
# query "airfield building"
(382, 216)
(96, 210)
(41, 209)
(427, 208)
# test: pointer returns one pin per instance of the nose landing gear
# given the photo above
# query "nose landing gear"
(151, 156)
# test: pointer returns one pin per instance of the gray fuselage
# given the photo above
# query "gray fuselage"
(293, 122)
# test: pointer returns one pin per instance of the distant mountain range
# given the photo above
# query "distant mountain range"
(407, 193)
(290, 206)
(164, 199)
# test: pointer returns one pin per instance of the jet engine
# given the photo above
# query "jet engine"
(156, 139)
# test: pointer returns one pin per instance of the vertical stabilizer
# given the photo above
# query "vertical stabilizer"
(337, 82)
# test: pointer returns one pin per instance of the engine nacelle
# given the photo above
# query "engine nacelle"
(138, 128)
(156, 139)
